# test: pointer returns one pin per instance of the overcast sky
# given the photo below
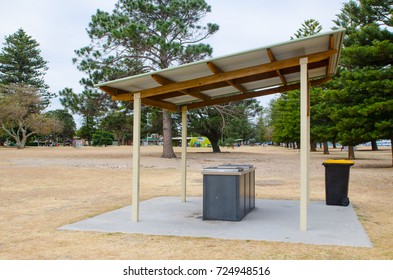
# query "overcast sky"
(59, 26)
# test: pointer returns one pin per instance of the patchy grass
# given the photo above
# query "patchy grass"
(42, 189)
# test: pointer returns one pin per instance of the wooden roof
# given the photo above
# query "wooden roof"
(253, 73)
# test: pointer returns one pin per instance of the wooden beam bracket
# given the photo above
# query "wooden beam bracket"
(165, 81)
(273, 59)
(254, 94)
(216, 70)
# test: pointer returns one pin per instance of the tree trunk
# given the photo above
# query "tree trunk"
(168, 151)
(23, 142)
(18, 143)
(313, 146)
(215, 146)
(325, 148)
(351, 152)
(391, 145)
(374, 146)
(334, 144)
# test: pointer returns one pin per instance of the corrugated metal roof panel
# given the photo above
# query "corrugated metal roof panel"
(198, 75)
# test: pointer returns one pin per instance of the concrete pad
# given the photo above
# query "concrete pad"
(271, 220)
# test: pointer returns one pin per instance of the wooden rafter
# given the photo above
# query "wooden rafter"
(254, 94)
(216, 70)
(165, 81)
(272, 59)
(167, 95)
(248, 79)
(230, 75)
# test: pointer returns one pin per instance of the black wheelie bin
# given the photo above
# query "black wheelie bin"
(337, 181)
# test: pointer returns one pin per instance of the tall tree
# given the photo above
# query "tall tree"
(309, 27)
(365, 81)
(21, 114)
(156, 33)
(21, 63)
(240, 116)
(284, 118)
(120, 123)
(285, 110)
(262, 129)
(228, 120)
(312, 27)
(3, 137)
(69, 126)
(89, 105)
(323, 128)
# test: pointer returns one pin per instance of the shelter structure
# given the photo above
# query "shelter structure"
(292, 65)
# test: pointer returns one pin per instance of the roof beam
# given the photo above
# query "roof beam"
(167, 95)
(124, 97)
(146, 101)
(216, 70)
(240, 73)
(249, 79)
(272, 59)
(113, 91)
(253, 94)
(160, 104)
(165, 81)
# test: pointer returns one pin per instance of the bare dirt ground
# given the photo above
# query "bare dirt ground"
(42, 189)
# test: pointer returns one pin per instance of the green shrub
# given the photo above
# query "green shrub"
(102, 138)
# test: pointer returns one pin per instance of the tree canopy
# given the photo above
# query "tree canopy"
(21, 114)
(356, 106)
(23, 92)
(21, 63)
(364, 84)
(144, 35)
(90, 105)
(309, 27)
(284, 112)
(69, 126)
(226, 121)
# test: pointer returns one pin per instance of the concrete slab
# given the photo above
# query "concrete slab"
(271, 220)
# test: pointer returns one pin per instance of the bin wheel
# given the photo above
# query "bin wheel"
(345, 201)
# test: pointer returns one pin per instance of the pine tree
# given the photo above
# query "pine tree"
(21, 63)
(144, 35)
(89, 105)
(284, 115)
(309, 27)
(363, 90)
(285, 110)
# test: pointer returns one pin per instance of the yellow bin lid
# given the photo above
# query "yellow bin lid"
(339, 161)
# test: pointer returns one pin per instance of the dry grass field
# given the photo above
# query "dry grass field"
(42, 189)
